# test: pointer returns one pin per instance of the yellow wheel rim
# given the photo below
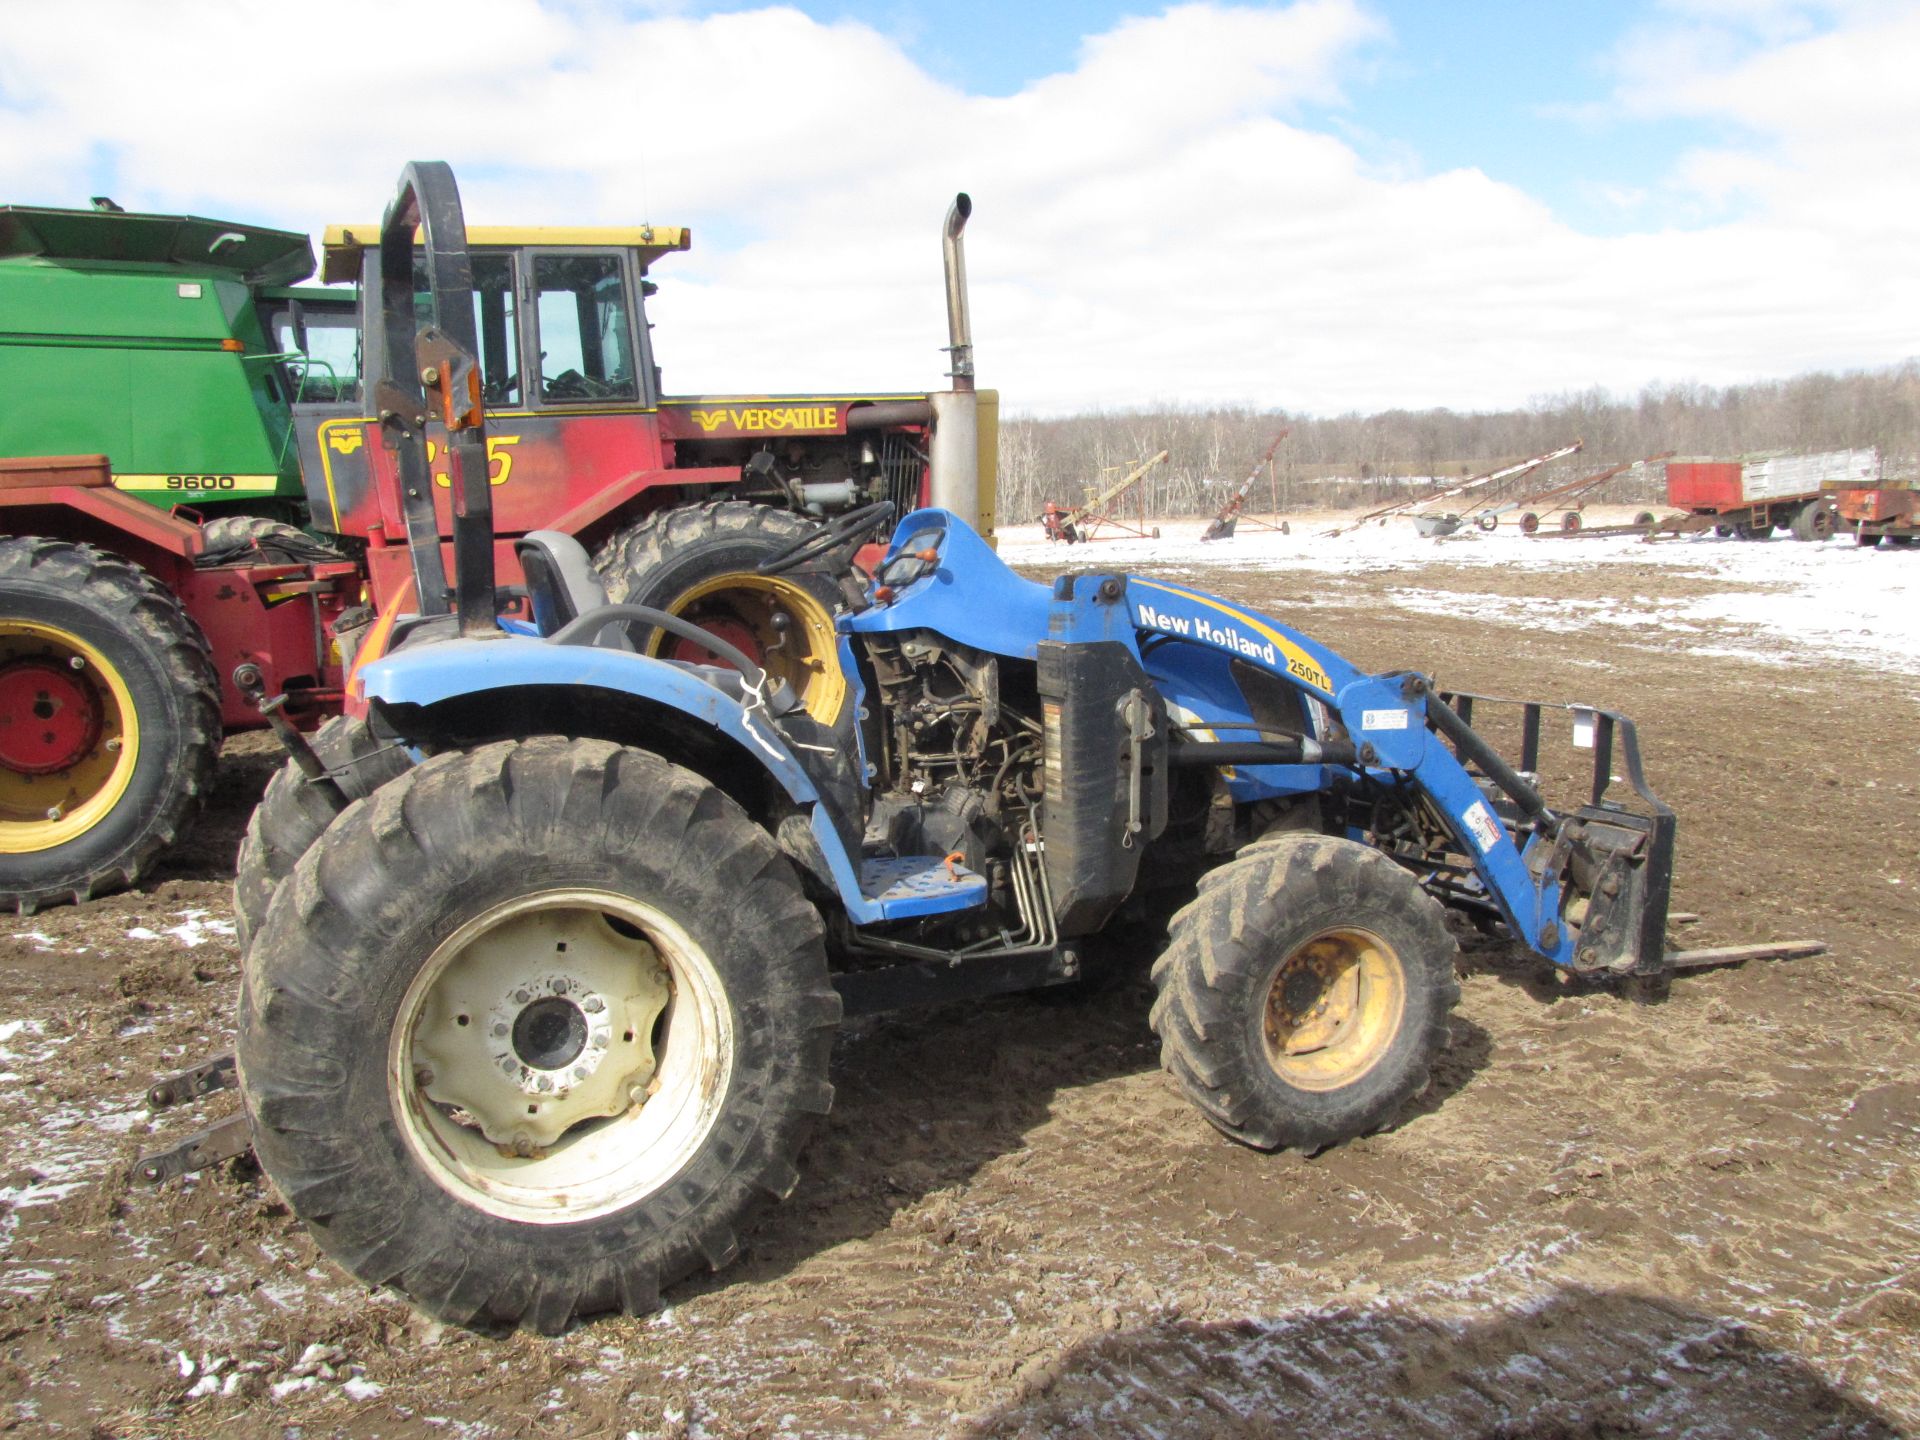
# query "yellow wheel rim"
(44, 809)
(1333, 1008)
(744, 605)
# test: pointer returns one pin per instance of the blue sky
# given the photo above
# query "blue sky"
(1319, 205)
(1519, 90)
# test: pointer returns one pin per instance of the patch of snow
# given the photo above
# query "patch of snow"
(1804, 603)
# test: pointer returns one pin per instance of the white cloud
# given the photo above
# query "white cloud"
(1156, 222)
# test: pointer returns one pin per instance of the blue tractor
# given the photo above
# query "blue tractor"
(544, 1015)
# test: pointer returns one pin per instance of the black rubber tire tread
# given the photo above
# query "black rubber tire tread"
(396, 874)
(223, 532)
(246, 539)
(1211, 980)
(163, 657)
(657, 560)
(1813, 521)
(294, 812)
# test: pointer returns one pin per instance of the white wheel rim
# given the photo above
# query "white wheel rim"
(639, 1111)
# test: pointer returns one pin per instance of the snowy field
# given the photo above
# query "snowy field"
(1777, 600)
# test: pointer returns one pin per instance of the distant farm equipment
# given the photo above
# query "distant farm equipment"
(1231, 514)
(1101, 510)
(1447, 523)
(1812, 495)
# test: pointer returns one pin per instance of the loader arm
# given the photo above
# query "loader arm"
(1585, 889)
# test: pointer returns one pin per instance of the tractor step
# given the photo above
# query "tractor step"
(904, 886)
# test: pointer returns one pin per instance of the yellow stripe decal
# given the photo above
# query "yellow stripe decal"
(200, 484)
(1300, 665)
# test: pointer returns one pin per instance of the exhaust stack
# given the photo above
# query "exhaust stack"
(959, 323)
(956, 423)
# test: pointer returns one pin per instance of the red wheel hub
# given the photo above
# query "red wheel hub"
(50, 717)
(734, 632)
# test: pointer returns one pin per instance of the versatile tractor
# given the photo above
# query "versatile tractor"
(160, 371)
(531, 1028)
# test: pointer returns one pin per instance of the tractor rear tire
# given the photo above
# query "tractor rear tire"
(1304, 994)
(109, 722)
(698, 561)
(535, 1030)
(295, 811)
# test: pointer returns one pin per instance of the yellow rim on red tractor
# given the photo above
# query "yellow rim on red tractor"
(742, 607)
(69, 737)
(1333, 1009)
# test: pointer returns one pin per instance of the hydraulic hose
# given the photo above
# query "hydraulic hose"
(587, 628)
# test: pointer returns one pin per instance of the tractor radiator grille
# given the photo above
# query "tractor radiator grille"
(903, 469)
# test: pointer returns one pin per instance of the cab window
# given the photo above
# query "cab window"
(586, 336)
(324, 343)
(495, 324)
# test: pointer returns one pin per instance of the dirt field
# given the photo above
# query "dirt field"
(1700, 1218)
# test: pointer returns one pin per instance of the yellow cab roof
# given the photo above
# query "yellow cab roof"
(343, 245)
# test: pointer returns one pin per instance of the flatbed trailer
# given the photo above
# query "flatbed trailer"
(1750, 499)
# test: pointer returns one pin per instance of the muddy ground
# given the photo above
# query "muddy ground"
(1604, 1219)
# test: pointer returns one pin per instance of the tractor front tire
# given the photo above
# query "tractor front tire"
(295, 811)
(698, 561)
(109, 722)
(535, 1030)
(1305, 992)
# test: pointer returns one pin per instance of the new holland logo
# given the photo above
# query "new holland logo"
(783, 417)
(1200, 628)
(345, 441)
(1271, 650)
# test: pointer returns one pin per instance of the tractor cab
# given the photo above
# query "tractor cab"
(570, 298)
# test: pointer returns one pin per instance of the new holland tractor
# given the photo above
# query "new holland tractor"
(536, 1024)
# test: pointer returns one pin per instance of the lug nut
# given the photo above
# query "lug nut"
(78, 662)
(54, 812)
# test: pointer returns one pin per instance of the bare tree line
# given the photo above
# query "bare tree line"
(1366, 459)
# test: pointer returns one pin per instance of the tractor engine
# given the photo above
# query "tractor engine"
(959, 753)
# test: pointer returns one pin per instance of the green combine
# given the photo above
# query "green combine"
(173, 345)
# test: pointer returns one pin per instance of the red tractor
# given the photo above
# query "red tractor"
(129, 636)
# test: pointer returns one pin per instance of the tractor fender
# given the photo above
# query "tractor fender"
(465, 669)
(450, 669)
